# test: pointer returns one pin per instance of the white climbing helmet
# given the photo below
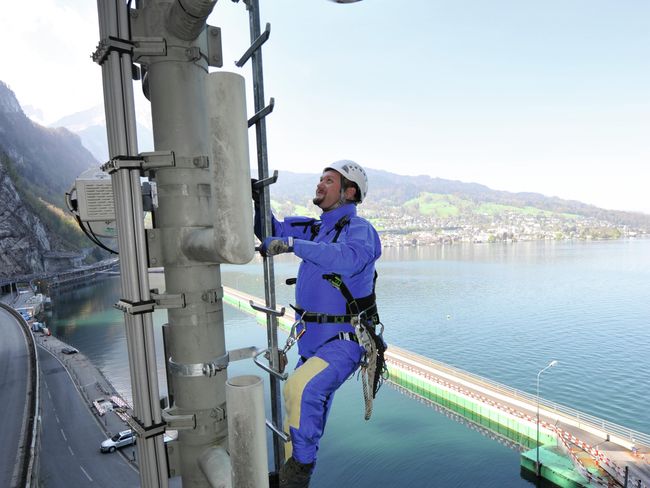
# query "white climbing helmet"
(353, 172)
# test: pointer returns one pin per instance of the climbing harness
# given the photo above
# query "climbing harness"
(369, 330)
(314, 227)
(362, 314)
(313, 224)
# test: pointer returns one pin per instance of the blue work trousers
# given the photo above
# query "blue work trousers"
(309, 391)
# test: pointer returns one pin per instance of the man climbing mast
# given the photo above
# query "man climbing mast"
(334, 293)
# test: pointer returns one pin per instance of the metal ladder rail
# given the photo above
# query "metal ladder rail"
(258, 120)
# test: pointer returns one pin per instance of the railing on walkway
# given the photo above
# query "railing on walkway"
(639, 438)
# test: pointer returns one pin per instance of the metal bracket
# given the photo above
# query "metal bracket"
(178, 422)
(122, 162)
(169, 301)
(266, 310)
(154, 247)
(201, 162)
(212, 296)
(145, 432)
(215, 54)
(218, 413)
(194, 370)
(263, 37)
(213, 367)
(143, 162)
(149, 46)
(242, 353)
(193, 53)
(173, 459)
(262, 113)
(109, 45)
(135, 308)
(158, 159)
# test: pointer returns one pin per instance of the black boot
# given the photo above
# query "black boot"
(294, 474)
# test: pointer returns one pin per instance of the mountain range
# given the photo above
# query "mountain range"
(392, 191)
(39, 164)
(90, 126)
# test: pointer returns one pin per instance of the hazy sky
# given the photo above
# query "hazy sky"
(550, 96)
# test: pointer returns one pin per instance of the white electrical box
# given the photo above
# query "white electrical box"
(95, 197)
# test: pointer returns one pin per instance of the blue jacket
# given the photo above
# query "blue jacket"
(353, 257)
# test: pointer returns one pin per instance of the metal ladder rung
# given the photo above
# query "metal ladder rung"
(259, 184)
(268, 369)
(266, 310)
(262, 113)
(263, 37)
(280, 433)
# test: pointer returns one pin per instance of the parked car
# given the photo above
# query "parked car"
(128, 437)
(69, 350)
(124, 438)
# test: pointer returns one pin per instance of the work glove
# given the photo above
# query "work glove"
(276, 245)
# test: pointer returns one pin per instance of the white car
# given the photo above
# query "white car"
(124, 438)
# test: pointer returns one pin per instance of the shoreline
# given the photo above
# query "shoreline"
(93, 386)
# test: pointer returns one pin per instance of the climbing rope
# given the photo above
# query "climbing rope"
(368, 365)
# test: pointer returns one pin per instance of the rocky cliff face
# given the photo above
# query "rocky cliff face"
(37, 166)
(23, 237)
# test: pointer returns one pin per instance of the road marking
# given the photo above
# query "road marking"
(63, 434)
(70, 449)
(57, 419)
(87, 475)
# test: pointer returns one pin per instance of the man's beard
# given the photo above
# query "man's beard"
(318, 200)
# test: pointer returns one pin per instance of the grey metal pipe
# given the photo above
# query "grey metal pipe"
(215, 465)
(186, 18)
(247, 432)
(231, 239)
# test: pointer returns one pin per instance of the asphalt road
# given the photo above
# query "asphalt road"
(14, 364)
(70, 438)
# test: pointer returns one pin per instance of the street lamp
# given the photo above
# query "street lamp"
(549, 365)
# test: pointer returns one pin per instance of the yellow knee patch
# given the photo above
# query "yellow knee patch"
(293, 389)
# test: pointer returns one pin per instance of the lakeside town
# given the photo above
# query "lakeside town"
(401, 229)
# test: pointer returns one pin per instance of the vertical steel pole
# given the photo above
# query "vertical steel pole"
(265, 207)
(122, 141)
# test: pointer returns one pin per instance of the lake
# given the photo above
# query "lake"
(502, 311)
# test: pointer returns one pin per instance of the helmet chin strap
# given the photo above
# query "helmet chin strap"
(342, 199)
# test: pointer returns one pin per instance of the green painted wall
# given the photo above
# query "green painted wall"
(520, 431)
